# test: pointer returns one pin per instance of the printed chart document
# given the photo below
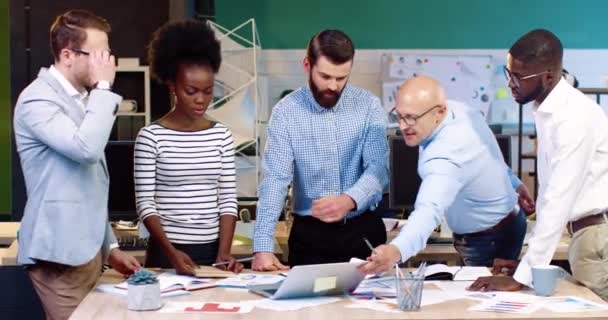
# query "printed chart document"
(572, 304)
(245, 280)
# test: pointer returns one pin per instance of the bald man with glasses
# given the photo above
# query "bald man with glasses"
(464, 177)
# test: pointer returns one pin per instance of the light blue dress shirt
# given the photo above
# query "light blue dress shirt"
(340, 150)
(463, 175)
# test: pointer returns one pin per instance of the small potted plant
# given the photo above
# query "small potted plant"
(144, 291)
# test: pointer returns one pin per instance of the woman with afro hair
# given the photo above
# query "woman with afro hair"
(185, 180)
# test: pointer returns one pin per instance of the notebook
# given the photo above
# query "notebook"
(169, 281)
(457, 273)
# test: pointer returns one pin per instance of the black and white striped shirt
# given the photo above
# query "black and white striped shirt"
(187, 179)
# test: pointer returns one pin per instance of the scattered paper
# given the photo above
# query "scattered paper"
(506, 306)
(293, 304)
(453, 286)
(507, 302)
(169, 281)
(245, 280)
(112, 289)
(572, 304)
(206, 307)
(376, 305)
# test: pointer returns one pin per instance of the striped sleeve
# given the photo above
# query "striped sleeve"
(144, 171)
(227, 201)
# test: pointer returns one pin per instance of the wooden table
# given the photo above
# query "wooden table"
(98, 305)
(447, 252)
(432, 252)
(8, 232)
(9, 257)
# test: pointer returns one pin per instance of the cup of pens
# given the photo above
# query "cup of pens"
(409, 288)
(409, 291)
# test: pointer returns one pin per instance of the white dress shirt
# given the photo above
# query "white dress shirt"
(79, 97)
(572, 170)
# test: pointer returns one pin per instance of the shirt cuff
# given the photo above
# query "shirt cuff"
(360, 198)
(263, 245)
(523, 274)
(113, 246)
(402, 249)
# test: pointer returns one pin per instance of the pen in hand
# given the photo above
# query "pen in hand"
(369, 245)
(228, 262)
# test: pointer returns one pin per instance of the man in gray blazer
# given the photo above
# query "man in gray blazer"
(61, 131)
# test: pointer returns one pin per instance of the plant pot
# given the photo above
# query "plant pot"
(142, 297)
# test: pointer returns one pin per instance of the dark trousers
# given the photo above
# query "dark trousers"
(313, 241)
(200, 253)
(505, 243)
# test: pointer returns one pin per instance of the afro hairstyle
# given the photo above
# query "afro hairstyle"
(180, 42)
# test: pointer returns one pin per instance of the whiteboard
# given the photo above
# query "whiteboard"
(466, 78)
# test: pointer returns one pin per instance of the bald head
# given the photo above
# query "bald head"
(421, 106)
(421, 92)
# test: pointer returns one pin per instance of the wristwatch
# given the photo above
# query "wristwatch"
(103, 85)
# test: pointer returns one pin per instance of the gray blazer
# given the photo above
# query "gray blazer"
(62, 155)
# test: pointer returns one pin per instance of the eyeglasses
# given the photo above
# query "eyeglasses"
(86, 53)
(409, 119)
(517, 80)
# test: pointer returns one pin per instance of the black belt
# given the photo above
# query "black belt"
(502, 223)
(342, 221)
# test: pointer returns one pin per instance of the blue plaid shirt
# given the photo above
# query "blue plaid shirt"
(341, 150)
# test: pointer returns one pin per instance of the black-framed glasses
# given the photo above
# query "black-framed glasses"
(517, 80)
(409, 119)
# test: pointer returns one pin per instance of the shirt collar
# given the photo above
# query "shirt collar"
(449, 117)
(67, 86)
(554, 98)
(317, 107)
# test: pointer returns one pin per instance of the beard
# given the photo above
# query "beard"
(325, 98)
(538, 91)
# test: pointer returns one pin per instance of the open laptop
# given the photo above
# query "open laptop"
(314, 280)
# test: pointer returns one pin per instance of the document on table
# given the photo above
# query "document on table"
(206, 307)
(293, 304)
(572, 304)
(245, 280)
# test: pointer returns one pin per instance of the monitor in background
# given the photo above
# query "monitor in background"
(404, 180)
(504, 142)
(121, 198)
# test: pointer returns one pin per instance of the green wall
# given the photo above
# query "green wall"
(428, 24)
(5, 111)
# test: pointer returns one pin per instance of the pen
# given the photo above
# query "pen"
(369, 245)
(227, 262)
